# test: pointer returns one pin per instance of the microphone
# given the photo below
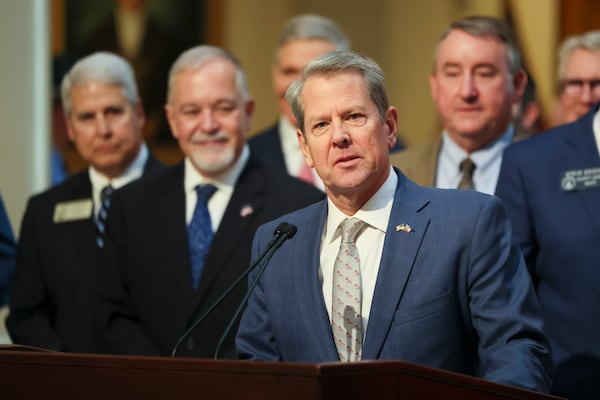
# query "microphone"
(287, 232)
(281, 230)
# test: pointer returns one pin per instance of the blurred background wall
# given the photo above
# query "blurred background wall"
(400, 35)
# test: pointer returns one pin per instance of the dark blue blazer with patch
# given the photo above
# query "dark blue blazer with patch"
(559, 233)
(51, 298)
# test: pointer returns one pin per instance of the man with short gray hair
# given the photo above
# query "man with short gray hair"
(302, 38)
(179, 239)
(578, 76)
(385, 268)
(62, 233)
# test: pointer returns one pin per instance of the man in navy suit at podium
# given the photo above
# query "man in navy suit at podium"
(417, 274)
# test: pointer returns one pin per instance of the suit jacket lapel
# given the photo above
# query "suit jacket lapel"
(240, 214)
(313, 308)
(168, 211)
(83, 232)
(399, 252)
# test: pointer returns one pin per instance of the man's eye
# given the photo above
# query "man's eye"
(85, 117)
(115, 111)
(319, 128)
(189, 111)
(451, 73)
(225, 109)
(357, 119)
(486, 73)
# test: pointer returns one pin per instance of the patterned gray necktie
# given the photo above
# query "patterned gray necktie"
(467, 167)
(346, 320)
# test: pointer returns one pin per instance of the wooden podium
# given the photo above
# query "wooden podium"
(29, 373)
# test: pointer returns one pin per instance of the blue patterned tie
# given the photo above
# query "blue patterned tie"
(105, 194)
(200, 232)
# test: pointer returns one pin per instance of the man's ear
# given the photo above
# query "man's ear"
(519, 83)
(304, 147)
(391, 124)
(170, 113)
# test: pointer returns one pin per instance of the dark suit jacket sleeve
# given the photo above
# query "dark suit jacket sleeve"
(504, 309)
(32, 311)
(255, 340)
(7, 255)
(120, 331)
(511, 191)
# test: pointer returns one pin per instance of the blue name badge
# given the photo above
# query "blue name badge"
(580, 179)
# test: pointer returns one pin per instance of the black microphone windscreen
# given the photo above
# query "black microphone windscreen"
(291, 230)
(280, 228)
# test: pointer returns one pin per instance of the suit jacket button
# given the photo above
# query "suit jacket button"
(190, 344)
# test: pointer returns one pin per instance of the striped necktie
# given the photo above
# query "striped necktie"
(105, 194)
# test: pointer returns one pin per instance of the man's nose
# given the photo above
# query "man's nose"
(468, 87)
(102, 125)
(209, 121)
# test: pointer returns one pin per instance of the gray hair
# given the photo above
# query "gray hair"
(481, 26)
(197, 57)
(588, 41)
(338, 62)
(100, 67)
(312, 26)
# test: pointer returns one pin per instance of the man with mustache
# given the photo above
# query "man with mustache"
(156, 285)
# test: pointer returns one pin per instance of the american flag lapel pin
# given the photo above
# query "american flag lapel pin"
(404, 228)
(246, 210)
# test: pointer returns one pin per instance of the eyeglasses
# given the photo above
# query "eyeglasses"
(574, 87)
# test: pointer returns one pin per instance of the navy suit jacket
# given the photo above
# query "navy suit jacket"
(50, 304)
(452, 294)
(559, 233)
(146, 295)
(266, 146)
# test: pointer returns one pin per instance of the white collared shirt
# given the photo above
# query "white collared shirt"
(225, 185)
(488, 161)
(596, 127)
(292, 154)
(376, 213)
(133, 172)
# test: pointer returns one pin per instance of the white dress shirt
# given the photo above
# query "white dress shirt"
(596, 127)
(376, 213)
(487, 160)
(133, 172)
(225, 185)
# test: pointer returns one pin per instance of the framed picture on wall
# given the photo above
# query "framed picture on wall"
(150, 34)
